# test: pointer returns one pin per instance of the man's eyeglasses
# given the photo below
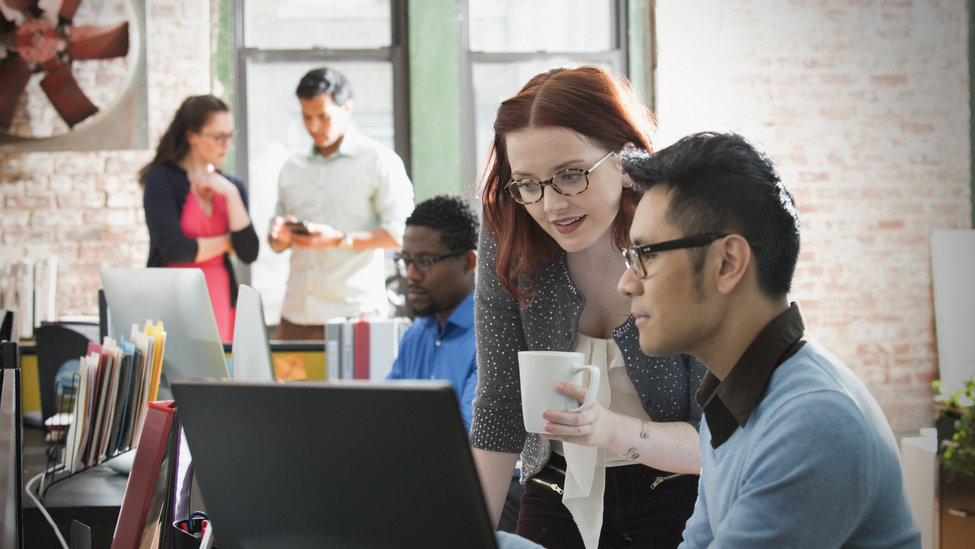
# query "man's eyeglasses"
(569, 182)
(422, 264)
(222, 138)
(635, 256)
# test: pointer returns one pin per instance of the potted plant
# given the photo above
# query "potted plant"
(956, 415)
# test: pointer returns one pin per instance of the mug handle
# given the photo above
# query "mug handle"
(593, 387)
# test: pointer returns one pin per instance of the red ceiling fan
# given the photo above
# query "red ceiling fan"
(44, 40)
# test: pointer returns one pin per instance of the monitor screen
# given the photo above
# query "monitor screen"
(343, 465)
(179, 298)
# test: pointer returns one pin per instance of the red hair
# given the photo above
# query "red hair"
(587, 100)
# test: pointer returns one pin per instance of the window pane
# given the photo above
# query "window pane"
(495, 82)
(303, 24)
(541, 25)
(275, 131)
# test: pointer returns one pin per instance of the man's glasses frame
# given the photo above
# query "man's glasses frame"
(423, 264)
(634, 255)
(551, 181)
(221, 138)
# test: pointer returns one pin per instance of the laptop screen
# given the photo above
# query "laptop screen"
(317, 464)
(251, 351)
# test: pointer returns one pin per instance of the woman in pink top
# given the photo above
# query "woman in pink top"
(197, 216)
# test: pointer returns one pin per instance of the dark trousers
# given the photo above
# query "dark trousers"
(635, 514)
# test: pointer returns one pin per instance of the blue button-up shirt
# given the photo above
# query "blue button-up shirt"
(427, 352)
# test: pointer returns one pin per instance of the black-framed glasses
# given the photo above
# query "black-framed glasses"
(222, 138)
(422, 264)
(636, 255)
(568, 182)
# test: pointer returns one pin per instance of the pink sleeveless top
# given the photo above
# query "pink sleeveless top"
(196, 224)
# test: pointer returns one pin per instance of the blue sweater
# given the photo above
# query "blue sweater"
(816, 466)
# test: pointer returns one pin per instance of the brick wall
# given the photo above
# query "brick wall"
(85, 208)
(864, 105)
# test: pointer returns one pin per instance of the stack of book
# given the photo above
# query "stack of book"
(115, 382)
(27, 289)
(362, 349)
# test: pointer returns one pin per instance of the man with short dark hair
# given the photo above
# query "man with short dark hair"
(354, 195)
(438, 261)
(795, 451)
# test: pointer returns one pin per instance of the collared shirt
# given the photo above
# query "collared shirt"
(727, 404)
(361, 187)
(427, 352)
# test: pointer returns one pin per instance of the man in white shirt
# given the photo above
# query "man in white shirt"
(339, 206)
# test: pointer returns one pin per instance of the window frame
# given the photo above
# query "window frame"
(618, 55)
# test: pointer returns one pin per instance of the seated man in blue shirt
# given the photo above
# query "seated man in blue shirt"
(438, 262)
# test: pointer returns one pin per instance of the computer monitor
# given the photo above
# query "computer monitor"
(179, 298)
(251, 351)
(325, 464)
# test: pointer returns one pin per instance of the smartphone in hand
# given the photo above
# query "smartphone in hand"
(298, 227)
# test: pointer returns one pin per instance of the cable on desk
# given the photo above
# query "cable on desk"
(30, 492)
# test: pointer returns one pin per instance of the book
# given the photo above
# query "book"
(348, 350)
(149, 479)
(384, 338)
(361, 360)
(333, 355)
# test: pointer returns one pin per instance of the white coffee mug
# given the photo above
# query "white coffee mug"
(540, 371)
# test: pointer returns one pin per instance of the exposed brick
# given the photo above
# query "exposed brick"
(56, 218)
(125, 200)
(105, 216)
(81, 199)
(81, 234)
(14, 218)
(78, 163)
(29, 202)
(889, 80)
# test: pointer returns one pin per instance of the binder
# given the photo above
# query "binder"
(348, 350)
(361, 330)
(384, 338)
(333, 354)
(148, 484)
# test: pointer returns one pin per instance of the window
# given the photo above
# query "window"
(278, 41)
(506, 42)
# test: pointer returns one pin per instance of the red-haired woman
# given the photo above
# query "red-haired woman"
(557, 212)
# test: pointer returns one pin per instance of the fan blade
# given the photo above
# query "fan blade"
(63, 91)
(14, 75)
(22, 5)
(68, 7)
(99, 42)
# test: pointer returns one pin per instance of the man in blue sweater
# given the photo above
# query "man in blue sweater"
(795, 451)
(438, 261)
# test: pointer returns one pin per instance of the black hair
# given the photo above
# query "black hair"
(720, 183)
(191, 116)
(450, 215)
(325, 80)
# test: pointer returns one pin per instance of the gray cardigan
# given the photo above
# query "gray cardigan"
(666, 385)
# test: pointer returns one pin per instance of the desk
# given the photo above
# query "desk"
(92, 497)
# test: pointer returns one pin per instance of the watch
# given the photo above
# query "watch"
(346, 242)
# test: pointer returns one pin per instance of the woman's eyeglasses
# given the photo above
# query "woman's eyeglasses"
(569, 182)
(422, 264)
(635, 256)
(221, 138)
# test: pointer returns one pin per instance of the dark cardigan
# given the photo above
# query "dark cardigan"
(166, 189)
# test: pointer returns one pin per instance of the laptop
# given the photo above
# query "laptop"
(179, 298)
(340, 464)
(251, 350)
